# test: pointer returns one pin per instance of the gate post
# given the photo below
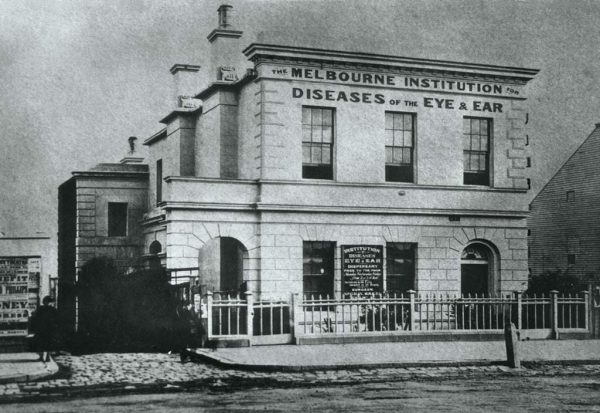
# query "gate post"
(411, 312)
(209, 318)
(249, 316)
(519, 296)
(293, 315)
(554, 304)
(586, 298)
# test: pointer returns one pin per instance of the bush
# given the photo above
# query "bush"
(557, 280)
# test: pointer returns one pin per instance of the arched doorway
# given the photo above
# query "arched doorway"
(221, 264)
(477, 270)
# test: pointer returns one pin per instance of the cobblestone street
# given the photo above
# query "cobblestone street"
(110, 374)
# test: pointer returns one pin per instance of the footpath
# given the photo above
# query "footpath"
(317, 365)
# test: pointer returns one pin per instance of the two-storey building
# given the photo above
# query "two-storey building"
(327, 172)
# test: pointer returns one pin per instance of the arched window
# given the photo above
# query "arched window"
(155, 248)
(476, 270)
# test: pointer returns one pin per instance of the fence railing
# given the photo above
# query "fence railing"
(241, 316)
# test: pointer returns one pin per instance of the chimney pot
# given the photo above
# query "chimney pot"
(225, 16)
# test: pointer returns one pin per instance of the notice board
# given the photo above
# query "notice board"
(362, 269)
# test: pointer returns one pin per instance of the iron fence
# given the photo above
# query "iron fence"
(240, 316)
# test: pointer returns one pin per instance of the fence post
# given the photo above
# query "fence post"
(249, 316)
(411, 312)
(209, 318)
(554, 304)
(293, 315)
(586, 298)
(519, 296)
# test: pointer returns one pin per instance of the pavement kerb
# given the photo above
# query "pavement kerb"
(215, 359)
(51, 369)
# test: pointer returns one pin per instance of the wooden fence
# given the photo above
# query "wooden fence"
(282, 321)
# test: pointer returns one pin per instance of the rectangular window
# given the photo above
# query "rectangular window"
(400, 267)
(399, 144)
(571, 259)
(117, 219)
(159, 180)
(318, 258)
(476, 151)
(317, 143)
(570, 196)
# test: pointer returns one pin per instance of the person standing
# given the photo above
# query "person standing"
(44, 326)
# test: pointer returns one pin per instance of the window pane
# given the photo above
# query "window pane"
(474, 126)
(326, 153)
(327, 117)
(397, 155)
(306, 133)
(467, 164)
(305, 153)
(327, 134)
(474, 163)
(408, 138)
(475, 143)
(389, 137)
(484, 143)
(316, 134)
(406, 156)
(398, 121)
(482, 163)
(388, 154)
(484, 127)
(317, 117)
(316, 154)
(408, 122)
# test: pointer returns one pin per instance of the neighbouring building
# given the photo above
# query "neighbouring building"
(311, 171)
(565, 217)
(27, 274)
(99, 214)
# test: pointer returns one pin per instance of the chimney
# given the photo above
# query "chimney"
(225, 16)
(132, 155)
(187, 84)
(225, 53)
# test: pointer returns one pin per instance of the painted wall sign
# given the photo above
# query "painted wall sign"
(362, 269)
(379, 98)
(392, 81)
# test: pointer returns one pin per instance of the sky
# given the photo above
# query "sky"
(78, 77)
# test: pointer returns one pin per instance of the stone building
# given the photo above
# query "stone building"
(99, 214)
(312, 171)
(328, 172)
(565, 218)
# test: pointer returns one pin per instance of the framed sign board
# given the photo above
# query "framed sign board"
(362, 269)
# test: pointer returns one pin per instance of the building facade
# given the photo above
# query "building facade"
(319, 172)
(99, 214)
(328, 172)
(565, 219)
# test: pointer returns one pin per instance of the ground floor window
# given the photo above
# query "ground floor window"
(475, 270)
(400, 267)
(318, 259)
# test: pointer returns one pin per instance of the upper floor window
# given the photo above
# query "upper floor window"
(159, 180)
(570, 196)
(317, 142)
(399, 144)
(476, 151)
(117, 219)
